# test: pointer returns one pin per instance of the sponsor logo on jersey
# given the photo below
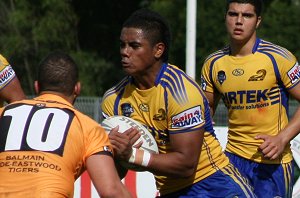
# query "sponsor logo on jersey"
(294, 73)
(161, 115)
(189, 118)
(250, 99)
(6, 75)
(144, 107)
(126, 109)
(245, 96)
(259, 76)
(221, 77)
(238, 72)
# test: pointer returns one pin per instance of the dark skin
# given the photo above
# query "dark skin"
(142, 60)
(12, 92)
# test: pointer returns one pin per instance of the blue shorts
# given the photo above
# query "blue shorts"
(225, 183)
(268, 180)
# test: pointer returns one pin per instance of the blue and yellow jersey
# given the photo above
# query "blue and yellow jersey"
(44, 145)
(6, 72)
(174, 105)
(254, 89)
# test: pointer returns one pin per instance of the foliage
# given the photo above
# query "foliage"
(31, 30)
(89, 31)
(281, 25)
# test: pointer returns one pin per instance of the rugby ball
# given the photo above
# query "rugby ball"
(124, 123)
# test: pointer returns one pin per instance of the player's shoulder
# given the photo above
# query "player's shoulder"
(275, 50)
(179, 84)
(173, 73)
(85, 120)
(217, 54)
(3, 61)
(118, 88)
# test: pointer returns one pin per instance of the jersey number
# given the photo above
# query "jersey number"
(33, 128)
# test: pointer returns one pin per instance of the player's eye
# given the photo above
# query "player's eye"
(229, 13)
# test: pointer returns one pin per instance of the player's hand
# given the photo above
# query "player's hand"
(134, 135)
(272, 147)
(122, 142)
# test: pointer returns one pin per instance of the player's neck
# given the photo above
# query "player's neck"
(146, 79)
(70, 98)
(242, 48)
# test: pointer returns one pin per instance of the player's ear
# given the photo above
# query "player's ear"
(36, 87)
(77, 89)
(258, 21)
(159, 50)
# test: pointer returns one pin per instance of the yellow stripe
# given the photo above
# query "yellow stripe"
(237, 177)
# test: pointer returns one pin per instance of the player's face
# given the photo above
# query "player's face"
(241, 21)
(137, 53)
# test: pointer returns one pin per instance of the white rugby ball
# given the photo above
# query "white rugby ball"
(124, 123)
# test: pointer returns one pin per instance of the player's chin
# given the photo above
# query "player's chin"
(128, 70)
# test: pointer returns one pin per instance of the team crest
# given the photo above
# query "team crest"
(126, 109)
(221, 77)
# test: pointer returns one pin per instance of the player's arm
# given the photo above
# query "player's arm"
(12, 91)
(122, 145)
(207, 86)
(181, 162)
(273, 146)
(102, 171)
(213, 99)
(183, 159)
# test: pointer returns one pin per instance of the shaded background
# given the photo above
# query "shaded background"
(89, 31)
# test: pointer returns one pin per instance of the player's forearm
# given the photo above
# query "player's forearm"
(293, 127)
(173, 164)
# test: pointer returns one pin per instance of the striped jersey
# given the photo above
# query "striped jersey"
(7, 74)
(254, 90)
(174, 105)
(44, 145)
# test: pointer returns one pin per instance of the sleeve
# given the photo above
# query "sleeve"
(97, 141)
(7, 73)
(289, 69)
(206, 81)
(187, 114)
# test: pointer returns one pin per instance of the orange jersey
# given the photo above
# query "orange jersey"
(44, 145)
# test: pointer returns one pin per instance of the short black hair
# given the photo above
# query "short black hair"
(58, 72)
(258, 5)
(154, 26)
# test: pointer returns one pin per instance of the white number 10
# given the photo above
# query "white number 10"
(34, 128)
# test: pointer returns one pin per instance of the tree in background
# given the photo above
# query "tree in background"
(30, 29)
(89, 31)
(281, 24)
